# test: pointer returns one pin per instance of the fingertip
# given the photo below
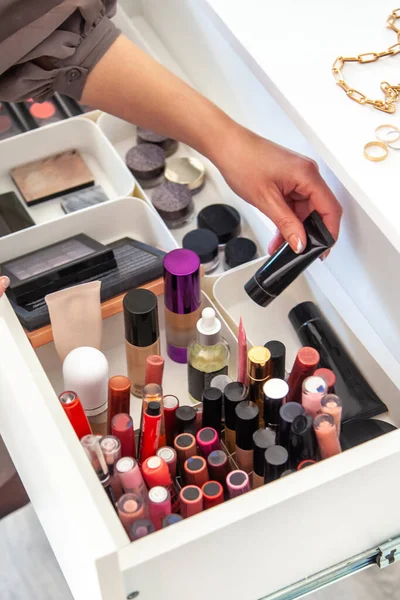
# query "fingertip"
(4, 282)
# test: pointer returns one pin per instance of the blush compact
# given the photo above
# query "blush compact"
(44, 113)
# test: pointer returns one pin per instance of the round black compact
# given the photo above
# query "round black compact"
(239, 251)
(205, 243)
(221, 219)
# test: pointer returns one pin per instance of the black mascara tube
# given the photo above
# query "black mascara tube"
(282, 268)
(358, 398)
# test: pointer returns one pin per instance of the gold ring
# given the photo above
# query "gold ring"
(376, 144)
(388, 138)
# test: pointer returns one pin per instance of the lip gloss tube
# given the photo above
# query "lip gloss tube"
(130, 508)
(332, 405)
(76, 415)
(151, 431)
(159, 505)
(306, 362)
(122, 428)
(246, 424)
(207, 441)
(276, 462)
(259, 371)
(306, 463)
(314, 389)
(154, 369)
(185, 446)
(171, 520)
(186, 419)
(212, 409)
(329, 376)
(156, 473)
(131, 477)
(262, 440)
(287, 413)
(141, 528)
(153, 393)
(171, 404)
(302, 441)
(275, 392)
(237, 483)
(328, 441)
(278, 359)
(213, 494)
(234, 393)
(191, 501)
(119, 397)
(111, 448)
(91, 445)
(242, 354)
(218, 466)
(195, 471)
(169, 455)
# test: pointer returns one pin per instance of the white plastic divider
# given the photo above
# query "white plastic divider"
(81, 134)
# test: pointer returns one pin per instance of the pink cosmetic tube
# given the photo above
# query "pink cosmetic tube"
(207, 441)
(154, 369)
(313, 390)
(242, 354)
(159, 505)
(328, 440)
(237, 483)
(170, 404)
(122, 428)
(329, 376)
(332, 405)
(218, 466)
(169, 455)
(131, 477)
(191, 501)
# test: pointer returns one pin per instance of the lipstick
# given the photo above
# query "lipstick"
(287, 413)
(302, 441)
(234, 393)
(212, 409)
(213, 494)
(262, 440)
(186, 420)
(171, 404)
(91, 445)
(111, 448)
(159, 505)
(156, 473)
(328, 441)
(332, 405)
(314, 389)
(237, 483)
(151, 431)
(246, 424)
(207, 441)
(218, 466)
(259, 371)
(242, 354)
(305, 364)
(171, 520)
(275, 393)
(76, 415)
(122, 428)
(195, 471)
(154, 369)
(119, 398)
(131, 477)
(276, 462)
(191, 501)
(141, 528)
(278, 358)
(170, 456)
(329, 376)
(152, 392)
(185, 446)
(130, 509)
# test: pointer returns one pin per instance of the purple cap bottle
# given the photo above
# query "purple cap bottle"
(182, 299)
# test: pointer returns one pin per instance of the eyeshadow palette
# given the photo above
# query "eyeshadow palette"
(83, 199)
(44, 113)
(10, 122)
(55, 267)
(53, 176)
(136, 265)
(13, 214)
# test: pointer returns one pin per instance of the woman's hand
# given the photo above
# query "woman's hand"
(282, 184)
(4, 283)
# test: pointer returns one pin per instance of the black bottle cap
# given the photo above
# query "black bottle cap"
(202, 241)
(276, 462)
(186, 419)
(141, 318)
(234, 393)
(262, 440)
(303, 313)
(153, 409)
(222, 219)
(287, 413)
(302, 440)
(239, 251)
(212, 409)
(278, 358)
(246, 424)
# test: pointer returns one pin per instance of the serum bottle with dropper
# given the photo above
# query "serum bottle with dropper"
(208, 355)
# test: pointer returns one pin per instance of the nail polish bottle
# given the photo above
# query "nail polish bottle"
(142, 338)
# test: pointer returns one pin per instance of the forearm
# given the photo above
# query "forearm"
(131, 85)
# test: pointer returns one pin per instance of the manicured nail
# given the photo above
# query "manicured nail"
(5, 282)
(296, 244)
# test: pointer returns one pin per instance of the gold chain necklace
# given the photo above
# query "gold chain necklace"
(391, 92)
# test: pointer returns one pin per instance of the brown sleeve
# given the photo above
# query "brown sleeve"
(53, 50)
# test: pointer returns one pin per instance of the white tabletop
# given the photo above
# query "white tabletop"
(290, 46)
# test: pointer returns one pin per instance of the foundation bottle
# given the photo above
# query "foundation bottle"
(246, 426)
(142, 338)
(182, 299)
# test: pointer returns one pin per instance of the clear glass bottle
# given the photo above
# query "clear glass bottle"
(208, 355)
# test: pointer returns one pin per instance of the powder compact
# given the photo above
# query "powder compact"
(13, 214)
(174, 204)
(147, 164)
(221, 219)
(239, 251)
(188, 171)
(145, 136)
(83, 199)
(205, 244)
(53, 176)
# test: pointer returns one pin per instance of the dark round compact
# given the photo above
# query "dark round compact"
(221, 219)
(147, 163)
(146, 136)
(205, 243)
(174, 203)
(239, 251)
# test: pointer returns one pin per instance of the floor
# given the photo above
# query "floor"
(28, 568)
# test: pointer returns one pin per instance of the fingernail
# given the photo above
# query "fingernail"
(5, 281)
(296, 244)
